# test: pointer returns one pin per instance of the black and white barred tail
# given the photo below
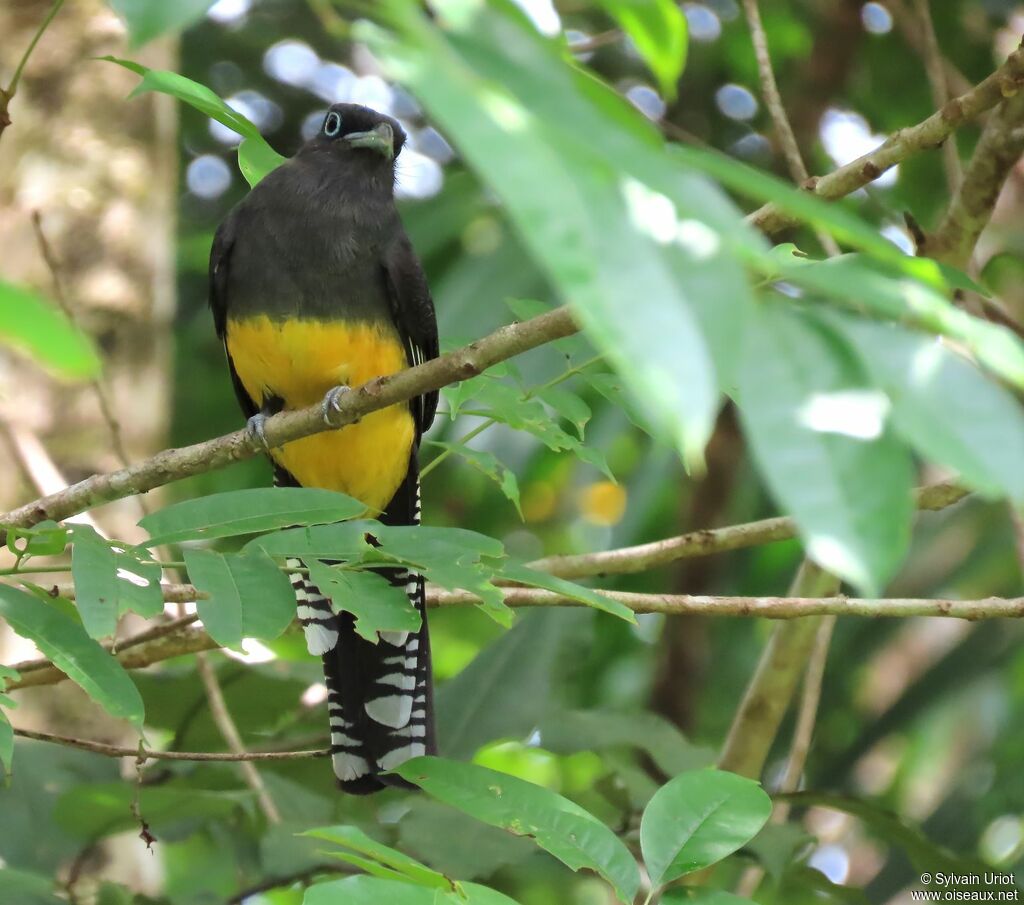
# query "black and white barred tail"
(379, 696)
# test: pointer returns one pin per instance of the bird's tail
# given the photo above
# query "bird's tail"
(379, 696)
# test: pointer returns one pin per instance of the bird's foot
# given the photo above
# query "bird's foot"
(256, 428)
(332, 402)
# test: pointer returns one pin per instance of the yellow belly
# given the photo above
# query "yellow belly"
(300, 360)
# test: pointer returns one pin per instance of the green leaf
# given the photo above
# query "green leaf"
(248, 511)
(147, 19)
(138, 582)
(249, 596)
(6, 743)
(73, 652)
(860, 283)
(702, 896)
(699, 818)
(109, 582)
(658, 29)
(406, 868)
(454, 558)
(45, 539)
(488, 464)
(924, 854)
(507, 688)
(375, 603)
(31, 323)
(24, 888)
(374, 891)
(566, 732)
(523, 574)
(581, 190)
(95, 573)
(93, 810)
(817, 431)
(256, 159)
(943, 405)
(567, 404)
(560, 827)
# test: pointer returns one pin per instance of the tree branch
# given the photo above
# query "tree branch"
(145, 754)
(1006, 81)
(174, 464)
(766, 700)
(998, 150)
(190, 640)
(642, 557)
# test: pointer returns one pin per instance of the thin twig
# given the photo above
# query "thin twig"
(61, 297)
(381, 392)
(933, 65)
(119, 751)
(910, 27)
(7, 94)
(229, 731)
(929, 133)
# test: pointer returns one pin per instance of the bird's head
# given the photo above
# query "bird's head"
(351, 129)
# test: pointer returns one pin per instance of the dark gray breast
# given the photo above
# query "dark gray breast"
(309, 242)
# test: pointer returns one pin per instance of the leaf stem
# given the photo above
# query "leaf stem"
(7, 94)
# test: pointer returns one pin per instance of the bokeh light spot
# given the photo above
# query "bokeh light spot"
(208, 177)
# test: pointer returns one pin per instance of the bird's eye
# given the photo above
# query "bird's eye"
(332, 125)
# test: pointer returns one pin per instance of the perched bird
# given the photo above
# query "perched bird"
(315, 288)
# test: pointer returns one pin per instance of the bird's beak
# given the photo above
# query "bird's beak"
(380, 138)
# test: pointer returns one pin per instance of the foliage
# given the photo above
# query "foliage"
(852, 378)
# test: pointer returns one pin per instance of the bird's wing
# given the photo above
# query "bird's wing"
(413, 311)
(220, 271)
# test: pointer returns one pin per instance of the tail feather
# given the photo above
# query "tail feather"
(379, 696)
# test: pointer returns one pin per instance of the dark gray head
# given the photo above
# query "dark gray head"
(359, 133)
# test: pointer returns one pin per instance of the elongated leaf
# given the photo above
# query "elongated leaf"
(376, 891)
(658, 29)
(607, 242)
(24, 888)
(944, 405)
(699, 818)
(248, 512)
(376, 604)
(6, 743)
(95, 572)
(487, 463)
(924, 853)
(857, 282)
(255, 157)
(567, 831)
(507, 689)
(702, 896)
(249, 596)
(523, 574)
(818, 433)
(92, 810)
(411, 870)
(31, 323)
(147, 20)
(566, 732)
(73, 652)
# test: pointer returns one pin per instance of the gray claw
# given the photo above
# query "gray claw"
(256, 428)
(332, 401)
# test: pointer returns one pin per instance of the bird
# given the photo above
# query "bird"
(315, 288)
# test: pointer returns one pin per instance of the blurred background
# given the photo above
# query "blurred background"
(925, 717)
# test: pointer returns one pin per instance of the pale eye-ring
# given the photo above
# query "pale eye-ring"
(332, 125)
